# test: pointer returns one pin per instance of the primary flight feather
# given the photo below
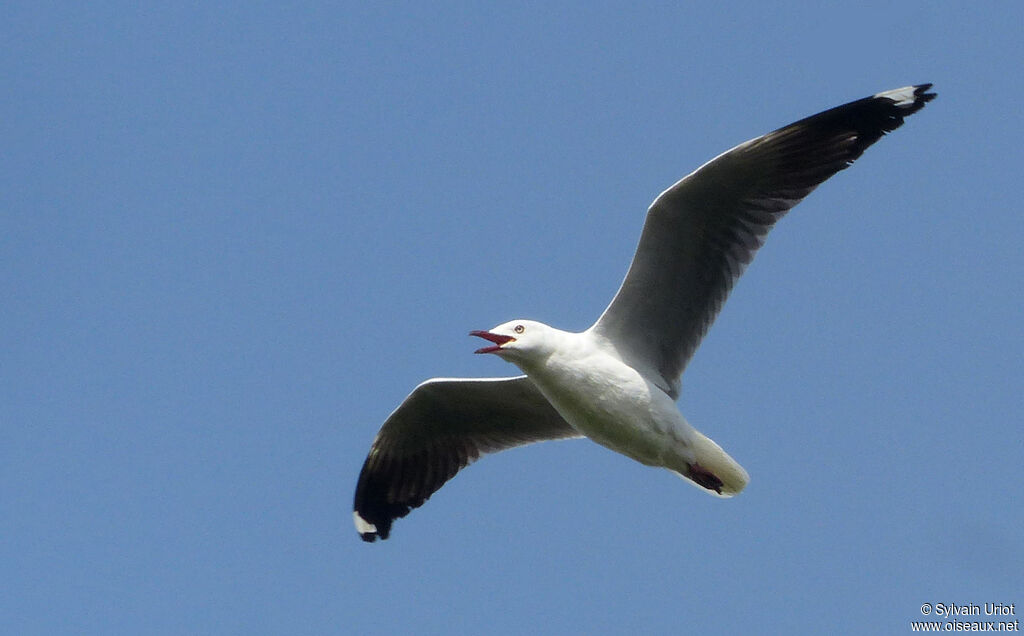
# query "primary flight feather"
(617, 382)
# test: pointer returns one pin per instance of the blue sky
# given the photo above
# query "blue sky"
(236, 236)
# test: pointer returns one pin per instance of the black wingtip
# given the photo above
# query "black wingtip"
(923, 96)
(908, 104)
(372, 512)
(370, 531)
(869, 118)
(919, 91)
(389, 489)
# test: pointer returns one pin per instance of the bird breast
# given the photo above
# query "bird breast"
(614, 405)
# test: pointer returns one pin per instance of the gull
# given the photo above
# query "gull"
(617, 382)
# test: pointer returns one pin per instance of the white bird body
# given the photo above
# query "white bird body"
(616, 383)
(607, 400)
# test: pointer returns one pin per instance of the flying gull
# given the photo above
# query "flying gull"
(617, 382)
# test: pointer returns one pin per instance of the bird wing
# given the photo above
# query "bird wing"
(440, 428)
(702, 232)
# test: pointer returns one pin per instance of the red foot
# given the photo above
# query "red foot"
(705, 477)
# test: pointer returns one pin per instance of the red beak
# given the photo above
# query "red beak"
(498, 340)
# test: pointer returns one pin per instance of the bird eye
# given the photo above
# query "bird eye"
(519, 329)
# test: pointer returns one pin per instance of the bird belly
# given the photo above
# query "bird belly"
(612, 404)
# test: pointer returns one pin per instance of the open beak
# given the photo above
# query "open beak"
(497, 339)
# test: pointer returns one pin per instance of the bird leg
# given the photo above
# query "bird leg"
(705, 477)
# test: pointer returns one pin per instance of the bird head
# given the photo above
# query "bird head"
(515, 340)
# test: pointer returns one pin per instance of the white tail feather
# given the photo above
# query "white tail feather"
(711, 459)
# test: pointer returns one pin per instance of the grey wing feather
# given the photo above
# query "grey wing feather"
(441, 427)
(702, 232)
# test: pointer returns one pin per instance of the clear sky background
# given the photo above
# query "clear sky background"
(235, 237)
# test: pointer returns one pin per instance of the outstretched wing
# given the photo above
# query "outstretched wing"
(443, 426)
(702, 232)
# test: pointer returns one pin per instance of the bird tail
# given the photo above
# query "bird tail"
(713, 470)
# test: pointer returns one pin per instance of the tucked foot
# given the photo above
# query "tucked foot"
(705, 477)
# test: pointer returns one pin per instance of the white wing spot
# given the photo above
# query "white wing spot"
(902, 96)
(362, 526)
